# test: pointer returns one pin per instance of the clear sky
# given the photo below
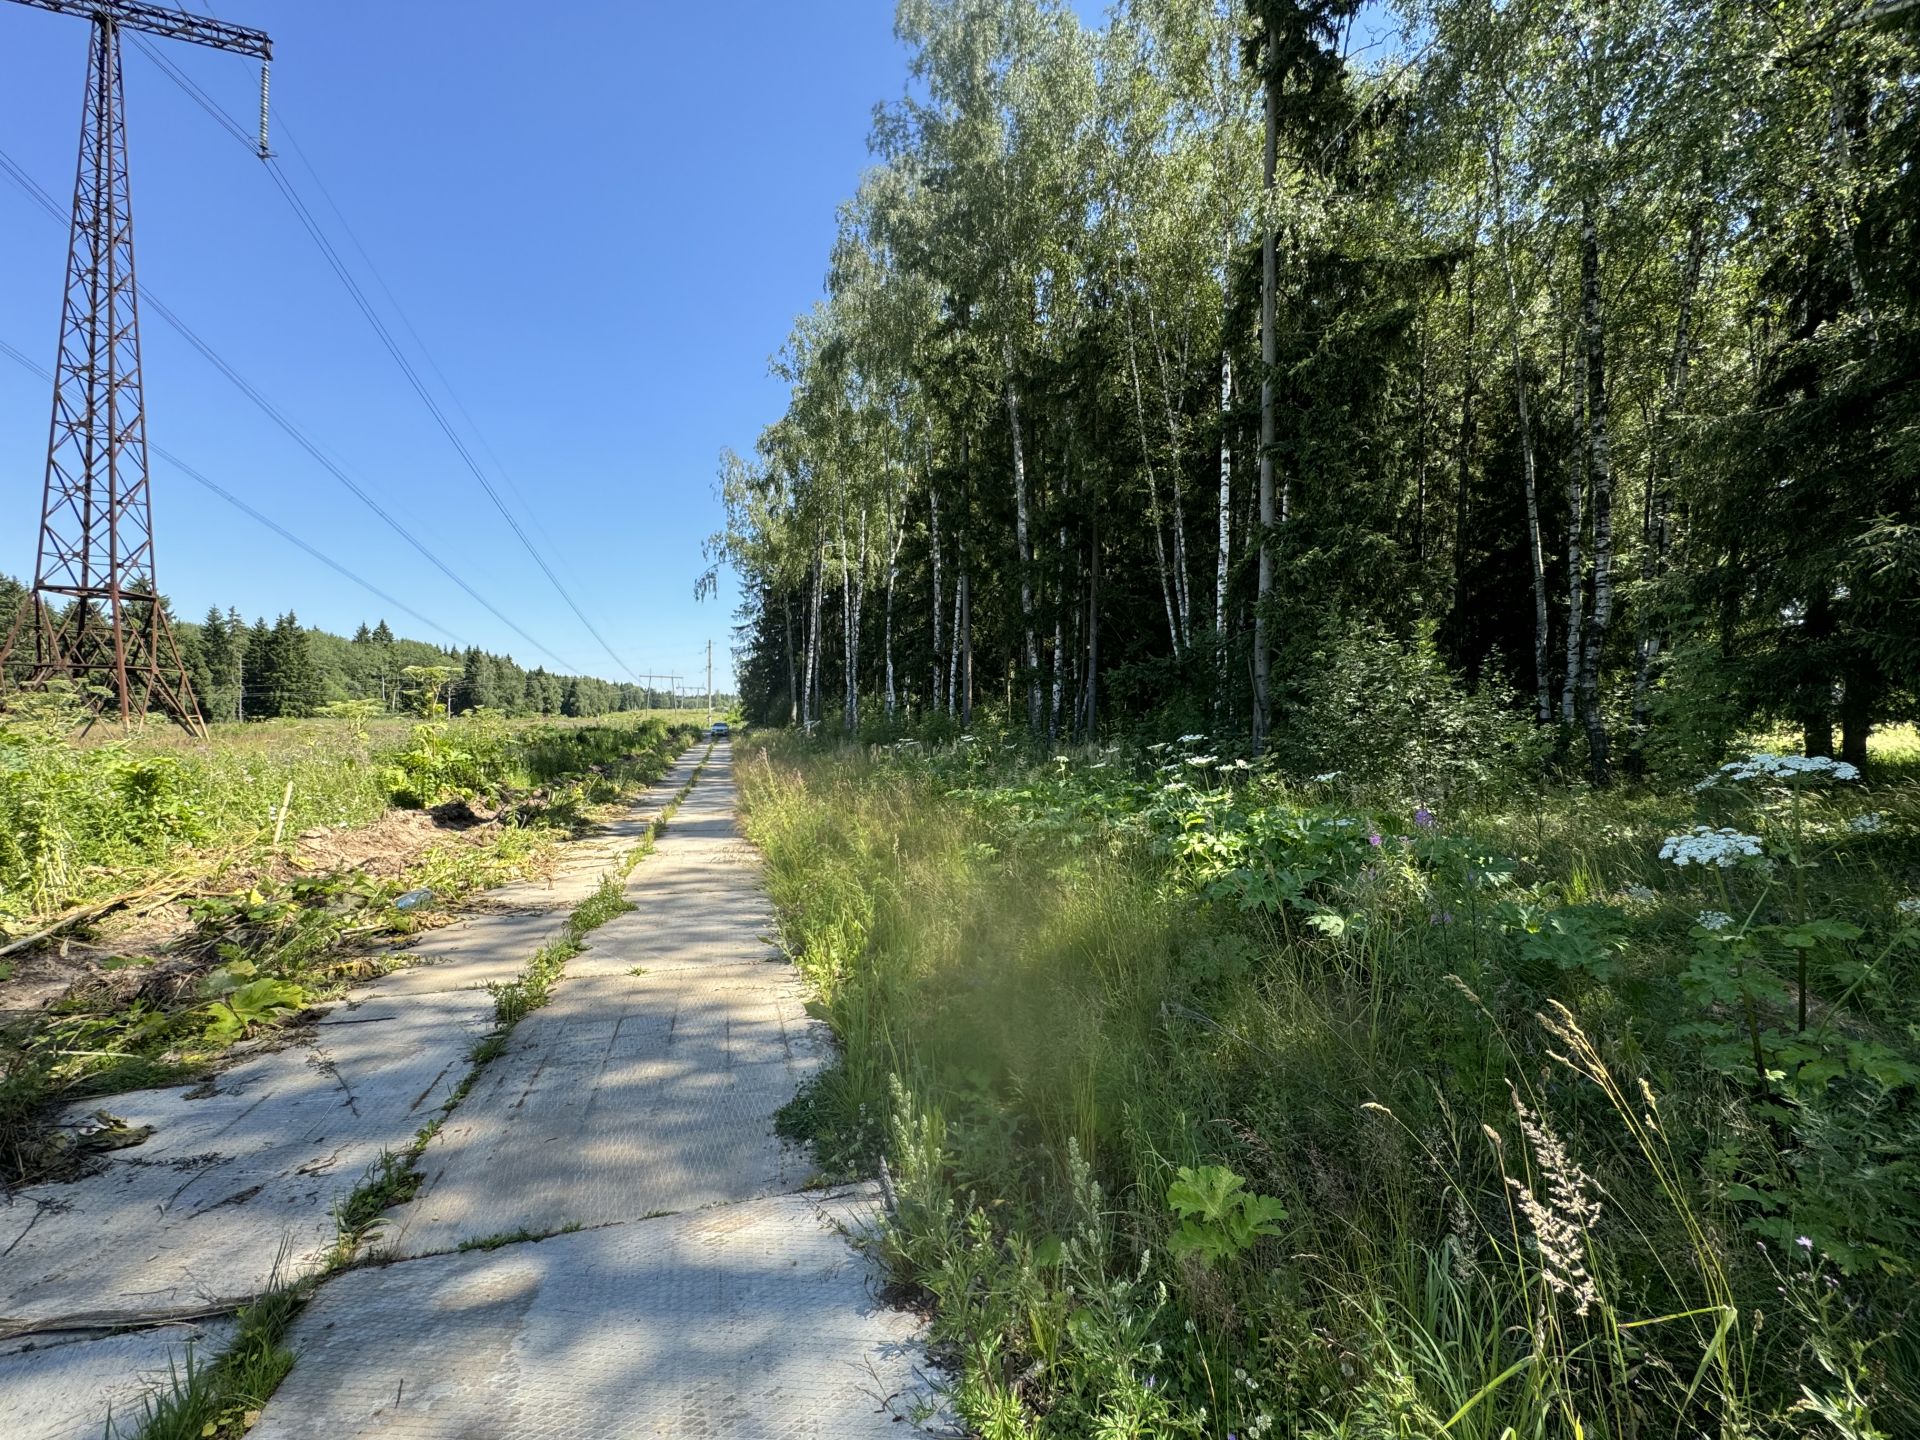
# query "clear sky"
(601, 215)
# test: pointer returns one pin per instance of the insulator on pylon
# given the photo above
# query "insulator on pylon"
(265, 153)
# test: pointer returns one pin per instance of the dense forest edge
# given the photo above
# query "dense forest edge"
(1590, 365)
(1350, 621)
(286, 670)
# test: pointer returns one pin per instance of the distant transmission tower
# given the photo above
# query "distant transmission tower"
(95, 618)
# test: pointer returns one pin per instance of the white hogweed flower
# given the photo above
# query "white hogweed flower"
(1704, 845)
(1786, 769)
(1713, 919)
(1870, 824)
(1909, 908)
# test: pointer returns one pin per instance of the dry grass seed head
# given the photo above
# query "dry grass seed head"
(1561, 1221)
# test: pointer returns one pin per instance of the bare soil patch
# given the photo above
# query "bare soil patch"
(135, 949)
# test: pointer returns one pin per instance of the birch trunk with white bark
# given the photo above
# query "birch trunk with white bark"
(1269, 356)
(1024, 545)
(1600, 468)
(1542, 682)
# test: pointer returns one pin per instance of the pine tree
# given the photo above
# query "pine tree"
(219, 650)
(296, 676)
(256, 694)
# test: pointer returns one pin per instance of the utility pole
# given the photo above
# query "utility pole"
(709, 682)
(95, 620)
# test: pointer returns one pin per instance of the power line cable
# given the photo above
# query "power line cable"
(333, 259)
(239, 132)
(35, 192)
(283, 182)
(26, 363)
(532, 514)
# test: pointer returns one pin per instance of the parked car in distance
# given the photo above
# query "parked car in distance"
(720, 728)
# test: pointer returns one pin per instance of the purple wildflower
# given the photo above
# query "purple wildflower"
(1373, 839)
(1423, 817)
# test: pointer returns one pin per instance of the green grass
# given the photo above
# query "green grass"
(1099, 1027)
(222, 1399)
(521, 1236)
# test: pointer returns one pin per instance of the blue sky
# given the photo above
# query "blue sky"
(600, 215)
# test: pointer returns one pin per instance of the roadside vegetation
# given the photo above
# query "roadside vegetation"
(177, 901)
(1407, 1098)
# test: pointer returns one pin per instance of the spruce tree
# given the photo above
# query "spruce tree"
(13, 595)
(469, 691)
(218, 650)
(256, 691)
(296, 678)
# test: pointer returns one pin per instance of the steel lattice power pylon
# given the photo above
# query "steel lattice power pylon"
(93, 619)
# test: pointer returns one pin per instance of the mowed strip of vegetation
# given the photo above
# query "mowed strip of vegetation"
(1215, 1104)
(256, 957)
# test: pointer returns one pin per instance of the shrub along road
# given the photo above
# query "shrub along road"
(686, 1289)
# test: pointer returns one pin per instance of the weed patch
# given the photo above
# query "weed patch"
(514, 1237)
(222, 1399)
(1215, 1103)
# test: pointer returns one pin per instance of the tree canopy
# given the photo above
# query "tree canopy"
(1161, 361)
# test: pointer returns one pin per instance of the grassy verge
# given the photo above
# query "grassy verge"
(223, 1399)
(83, 821)
(1220, 1106)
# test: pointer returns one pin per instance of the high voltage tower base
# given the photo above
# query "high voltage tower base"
(94, 620)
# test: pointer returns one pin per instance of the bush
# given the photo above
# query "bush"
(1394, 713)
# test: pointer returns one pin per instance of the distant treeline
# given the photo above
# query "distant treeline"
(263, 670)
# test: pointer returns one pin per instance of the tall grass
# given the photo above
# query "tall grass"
(1097, 1030)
